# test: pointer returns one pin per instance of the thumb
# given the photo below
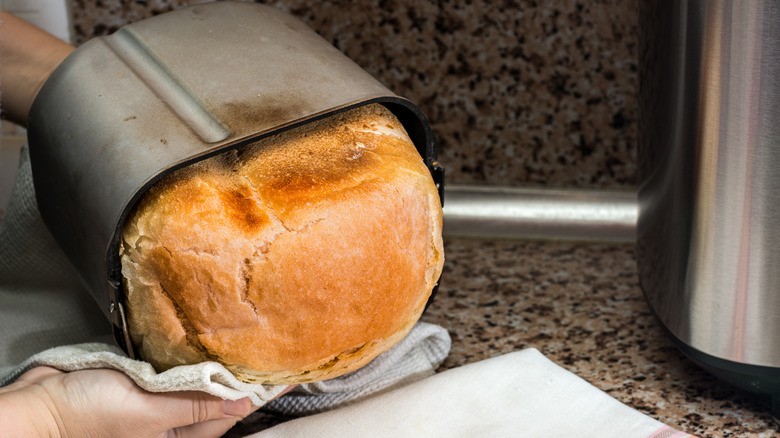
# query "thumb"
(191, 407)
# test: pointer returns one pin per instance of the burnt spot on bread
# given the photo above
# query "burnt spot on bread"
(337, 167)
(242, 211)
(324, 157)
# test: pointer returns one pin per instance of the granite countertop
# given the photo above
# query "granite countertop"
(581, 306)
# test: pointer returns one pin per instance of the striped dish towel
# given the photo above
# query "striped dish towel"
(518, 394)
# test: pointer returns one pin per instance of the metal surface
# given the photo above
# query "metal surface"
(124, 110)
(709, 160)
(540, 213)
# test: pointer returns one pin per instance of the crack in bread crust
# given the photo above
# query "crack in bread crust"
(246, 271)
(191, 333)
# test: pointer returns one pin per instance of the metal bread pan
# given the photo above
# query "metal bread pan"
(124, 110)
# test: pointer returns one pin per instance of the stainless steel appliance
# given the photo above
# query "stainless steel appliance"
(709, 164)
(124, 110)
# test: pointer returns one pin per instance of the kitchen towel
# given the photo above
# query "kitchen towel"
(48, 318)
(413, 358)
(521, 394)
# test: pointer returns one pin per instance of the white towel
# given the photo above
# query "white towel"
(520, 394)
(48, 318)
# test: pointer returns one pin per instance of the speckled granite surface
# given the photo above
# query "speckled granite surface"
(581, 306)
(518, 92)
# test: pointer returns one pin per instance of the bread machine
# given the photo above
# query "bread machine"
(124, 110)
(709, 152)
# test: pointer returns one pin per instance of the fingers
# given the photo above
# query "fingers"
(215, 428)
(108, 403)
(188, 408)
(183, 414)
(207, 429)
(204, 419)
(237, 408)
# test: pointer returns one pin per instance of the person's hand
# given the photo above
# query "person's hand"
(107, 403)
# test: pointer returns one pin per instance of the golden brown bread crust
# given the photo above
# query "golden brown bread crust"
(299, 258)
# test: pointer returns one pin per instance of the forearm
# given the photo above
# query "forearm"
(28, 56)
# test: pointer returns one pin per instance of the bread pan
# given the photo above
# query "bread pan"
(124, 110)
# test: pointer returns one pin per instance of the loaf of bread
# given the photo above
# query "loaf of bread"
(298, 258)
